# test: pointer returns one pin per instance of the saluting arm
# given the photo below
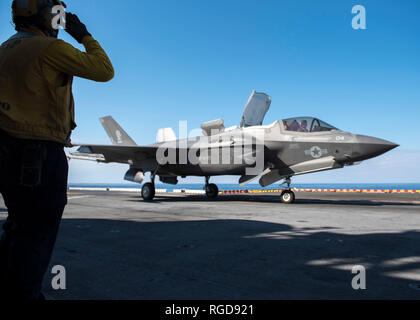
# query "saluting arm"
(94, 64)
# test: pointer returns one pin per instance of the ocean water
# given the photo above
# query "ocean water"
(226, 186)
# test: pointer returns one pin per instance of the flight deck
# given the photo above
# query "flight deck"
(114, 245)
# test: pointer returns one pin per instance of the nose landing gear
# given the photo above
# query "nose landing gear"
(287, 196)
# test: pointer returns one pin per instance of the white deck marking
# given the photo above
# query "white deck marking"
(78, 197)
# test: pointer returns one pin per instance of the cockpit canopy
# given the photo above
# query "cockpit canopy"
(306, 124)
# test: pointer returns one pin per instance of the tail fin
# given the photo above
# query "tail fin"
(117, 135)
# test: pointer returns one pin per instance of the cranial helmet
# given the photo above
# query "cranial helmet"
(35, 13)
(30, 8)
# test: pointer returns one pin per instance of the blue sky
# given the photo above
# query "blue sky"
(199, 60)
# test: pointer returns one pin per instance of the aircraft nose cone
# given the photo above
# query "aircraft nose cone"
(369, 147)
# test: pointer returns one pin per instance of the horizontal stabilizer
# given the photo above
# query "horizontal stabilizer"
(87, 157)
(117, 135)
(118, 154)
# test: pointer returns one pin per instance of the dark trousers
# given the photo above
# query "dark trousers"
(35, 206)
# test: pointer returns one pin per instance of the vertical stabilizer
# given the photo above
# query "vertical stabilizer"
(117, 135)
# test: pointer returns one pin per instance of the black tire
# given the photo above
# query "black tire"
(212, 191)
(287, 197)
(148, 191)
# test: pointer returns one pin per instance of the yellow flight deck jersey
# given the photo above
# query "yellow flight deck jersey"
(36, 76)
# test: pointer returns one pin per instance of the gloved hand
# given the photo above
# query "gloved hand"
(75, 27)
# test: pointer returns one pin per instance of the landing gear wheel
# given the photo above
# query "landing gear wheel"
(287, 197)
(212, 191)
(148, 191)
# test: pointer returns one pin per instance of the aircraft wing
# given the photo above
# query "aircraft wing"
(118, 154)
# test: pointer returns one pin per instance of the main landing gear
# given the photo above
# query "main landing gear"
(148, 191)
(287, 196)
(212, 191)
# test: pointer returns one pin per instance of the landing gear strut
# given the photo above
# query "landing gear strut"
(212, 191)
(148, 191)
(287, 196)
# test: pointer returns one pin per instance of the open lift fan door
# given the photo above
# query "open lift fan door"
(255, 109)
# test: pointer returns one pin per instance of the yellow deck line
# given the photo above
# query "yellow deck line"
(323, 190)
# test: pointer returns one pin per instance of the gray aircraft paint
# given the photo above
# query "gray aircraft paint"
(286, 153)
(117, 135)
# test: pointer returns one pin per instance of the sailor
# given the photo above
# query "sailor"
(36, 121)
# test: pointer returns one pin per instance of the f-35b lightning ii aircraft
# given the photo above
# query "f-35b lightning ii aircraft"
(269, 153)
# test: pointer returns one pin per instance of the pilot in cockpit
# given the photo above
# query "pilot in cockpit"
(294, 126)
(303, 126)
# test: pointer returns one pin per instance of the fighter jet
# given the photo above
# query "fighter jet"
(252, 151)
